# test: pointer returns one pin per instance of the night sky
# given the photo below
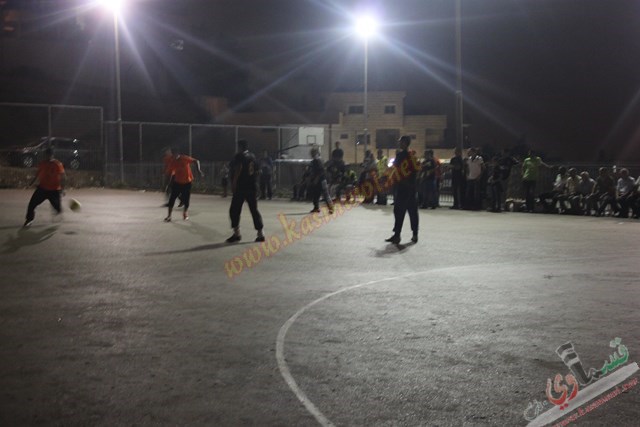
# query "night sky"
(561, 75)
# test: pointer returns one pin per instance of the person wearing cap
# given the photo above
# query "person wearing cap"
(405, 167)
(51, 179)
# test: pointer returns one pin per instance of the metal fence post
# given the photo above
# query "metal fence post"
(49, 124)
(104, 144)
(278, 179)
(140, 142)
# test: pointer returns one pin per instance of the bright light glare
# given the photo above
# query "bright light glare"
(366, 26)
(113, 5)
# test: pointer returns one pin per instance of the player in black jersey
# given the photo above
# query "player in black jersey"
(244, 174)
(318, 182)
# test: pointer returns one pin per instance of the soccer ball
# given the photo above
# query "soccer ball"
(74, 205)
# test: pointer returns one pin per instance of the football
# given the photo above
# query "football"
(74, 205)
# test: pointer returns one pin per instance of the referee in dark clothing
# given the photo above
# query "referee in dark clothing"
(244, 173)
(405, 168)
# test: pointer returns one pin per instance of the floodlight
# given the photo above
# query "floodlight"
(366, 26)
(113, 5)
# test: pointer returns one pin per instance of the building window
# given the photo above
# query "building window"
(389, 109)
(387, 138)
(434, 137)
(344, 136)
(356, 109)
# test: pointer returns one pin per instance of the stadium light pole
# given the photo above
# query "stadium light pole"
(459, 98)
(115, 6)
(366, 27)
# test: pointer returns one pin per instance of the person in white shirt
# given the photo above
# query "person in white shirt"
(473, 166)
(558, 194)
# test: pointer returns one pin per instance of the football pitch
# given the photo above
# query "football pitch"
(110, 316)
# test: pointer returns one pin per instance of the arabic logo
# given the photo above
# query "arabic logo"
(562, 390)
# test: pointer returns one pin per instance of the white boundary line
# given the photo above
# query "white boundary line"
(282, 333)
(282, 364)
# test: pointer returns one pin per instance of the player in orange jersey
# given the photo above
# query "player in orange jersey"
(51, 177)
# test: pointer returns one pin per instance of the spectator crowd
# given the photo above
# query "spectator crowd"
(477, 183)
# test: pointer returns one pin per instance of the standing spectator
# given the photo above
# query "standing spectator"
(181, 183)
(405, 166)
(244, 170)
(438, 181)
(51, 180)
(369, 167)
(381, 167)
(428, 181)
(224, 178)
(266, 172)
(557, 194)
(456, 165)
(506, 162)
(530, 168)
(318, 182)
(495, 184)
(625, 192)
(337, 154)
(474, 166)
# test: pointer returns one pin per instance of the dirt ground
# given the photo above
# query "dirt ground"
(109, 316)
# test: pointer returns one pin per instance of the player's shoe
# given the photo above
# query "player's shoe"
(395, 239)
(234, 238)
(185, 216)
(260, 237)
(27, 223)
(414, 239)
(314, 210)
(167, 219)
(331, 210)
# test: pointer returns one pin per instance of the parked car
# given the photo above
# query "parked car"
(68, 150)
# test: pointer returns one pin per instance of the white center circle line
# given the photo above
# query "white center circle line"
(282, 333)
(282, 364)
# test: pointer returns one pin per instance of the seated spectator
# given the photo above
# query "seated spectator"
(636, 205)
(604, 193)
(572, 193)
(579, 202)
(625, 193)
(557, 194)
(347, 185)
(335, 172)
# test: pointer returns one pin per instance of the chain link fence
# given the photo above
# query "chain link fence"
(137, 161)
(24, 126)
